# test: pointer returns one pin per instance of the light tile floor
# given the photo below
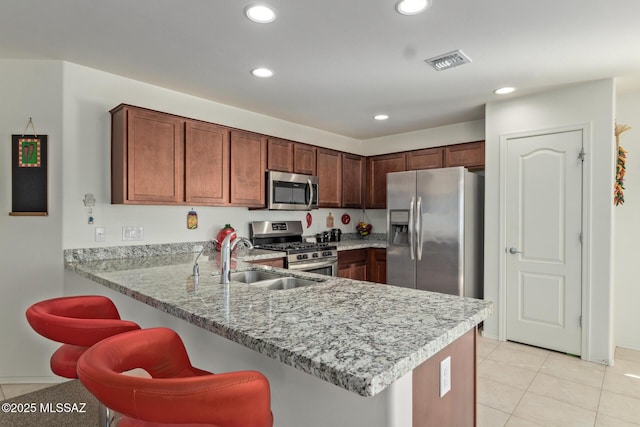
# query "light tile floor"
(522, 386)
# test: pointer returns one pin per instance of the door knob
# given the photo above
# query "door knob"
(514, 251)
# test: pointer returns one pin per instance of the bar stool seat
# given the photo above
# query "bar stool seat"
(78, 322)
(176, 393)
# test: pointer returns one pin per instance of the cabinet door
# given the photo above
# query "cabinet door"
(353, 176)
(206, 163)
(272, 262)
(377, 265)
(470, 155)
(154, 157)
(279, 155)
(377, 169)
(248, 166)
(304, 159)
(329, 170)
(428, 158)
(352, 264)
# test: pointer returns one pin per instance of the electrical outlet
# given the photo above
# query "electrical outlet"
(132, 233)
(445, 376)
(99, 233)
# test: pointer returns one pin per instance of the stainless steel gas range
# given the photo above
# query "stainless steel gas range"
(286, 236)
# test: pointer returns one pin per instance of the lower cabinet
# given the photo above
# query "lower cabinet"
(352, 264)
(363, 264)
(377, 265)
(273, 262)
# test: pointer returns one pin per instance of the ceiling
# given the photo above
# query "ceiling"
(337, 63)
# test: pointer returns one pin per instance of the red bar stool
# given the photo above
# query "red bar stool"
(177, 394)
(78, 323)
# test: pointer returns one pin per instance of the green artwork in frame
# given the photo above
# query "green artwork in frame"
(29, 154)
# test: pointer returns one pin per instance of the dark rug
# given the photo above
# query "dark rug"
(66, 405)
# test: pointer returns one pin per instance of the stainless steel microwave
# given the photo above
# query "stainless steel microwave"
(291, 191)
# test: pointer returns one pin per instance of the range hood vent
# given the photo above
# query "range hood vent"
(448, 60)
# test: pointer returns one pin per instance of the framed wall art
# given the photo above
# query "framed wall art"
(29, 184)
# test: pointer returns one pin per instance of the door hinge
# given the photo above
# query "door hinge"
(580, 320)
(581, 155)
(581, 238)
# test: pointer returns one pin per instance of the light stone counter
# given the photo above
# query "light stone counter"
(357, 335)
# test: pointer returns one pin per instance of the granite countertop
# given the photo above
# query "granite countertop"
(358, 335)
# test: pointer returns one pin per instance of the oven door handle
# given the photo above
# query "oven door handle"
(313, 264)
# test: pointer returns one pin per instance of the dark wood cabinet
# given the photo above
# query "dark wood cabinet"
(353, 178)
(272, 262)
(147, 157)
(377, 265)
(377, 169)
(329, 171)
(429, 158)
(160, 158)
(304, 159)
(352, 264)
(247, 171)
(280, 155)
(206, 164)
(469, 155)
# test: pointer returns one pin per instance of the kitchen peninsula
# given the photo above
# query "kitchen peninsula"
(339, 352)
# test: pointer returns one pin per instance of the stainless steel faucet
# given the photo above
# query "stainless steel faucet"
(207, 245)
(226, 249)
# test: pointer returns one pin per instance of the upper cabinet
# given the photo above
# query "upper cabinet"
(206, 163)
(248, 165)
(329, 171)
(377, 169)
(429, 158)
(147, 157)
(304, 159)
(280, 155)
(160, 158)
(353, 178)
(469, 155)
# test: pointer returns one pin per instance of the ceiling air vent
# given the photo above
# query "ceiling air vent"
(448, 60)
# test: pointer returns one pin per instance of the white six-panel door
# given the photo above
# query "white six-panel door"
(543, 237)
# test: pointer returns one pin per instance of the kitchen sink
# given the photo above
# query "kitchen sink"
(270, 280)
(284, 283)
(253, 276)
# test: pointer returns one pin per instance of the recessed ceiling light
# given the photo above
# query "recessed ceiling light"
(504, 90)
(412, 7)
(260, 13)
(381, 117)
(262, 72)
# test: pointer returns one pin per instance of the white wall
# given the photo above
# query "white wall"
(591, 103)
(89, 95)
(627, 232)
(30, 247)
(426, 138)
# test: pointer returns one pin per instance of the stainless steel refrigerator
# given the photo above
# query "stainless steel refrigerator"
(435, 230)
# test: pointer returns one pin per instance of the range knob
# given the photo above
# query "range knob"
(315, 255)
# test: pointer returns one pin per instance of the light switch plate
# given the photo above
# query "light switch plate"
(445, 376)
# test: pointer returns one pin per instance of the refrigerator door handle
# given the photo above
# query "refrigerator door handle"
(419, 228)
(411, 229)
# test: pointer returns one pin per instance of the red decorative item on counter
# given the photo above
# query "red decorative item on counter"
(228, 229)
